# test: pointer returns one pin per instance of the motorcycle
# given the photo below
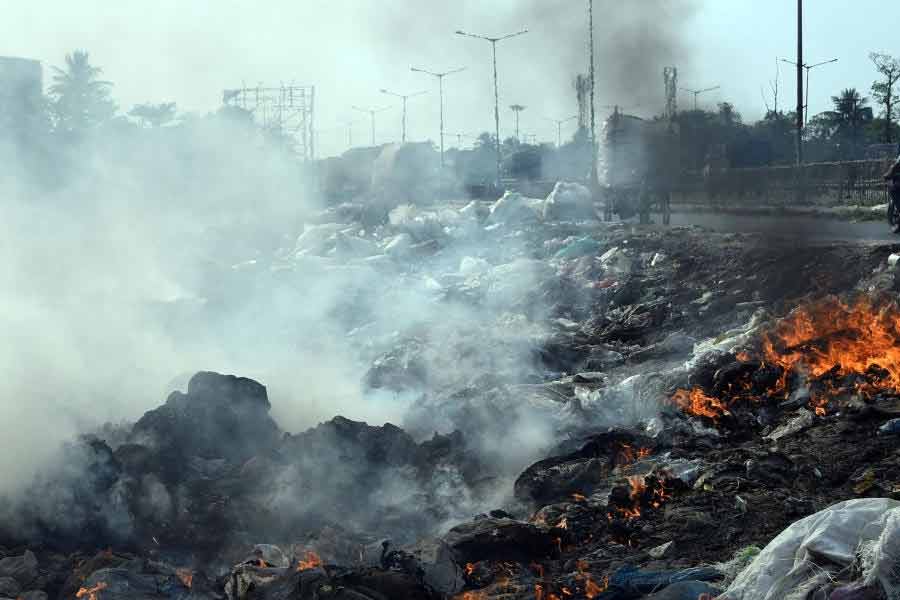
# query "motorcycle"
(893, 209)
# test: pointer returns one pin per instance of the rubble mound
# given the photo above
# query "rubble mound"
(220, 416)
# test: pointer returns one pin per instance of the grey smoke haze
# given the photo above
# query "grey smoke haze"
(169, 51)
(188, 52)
(114, 279)
(172, 251)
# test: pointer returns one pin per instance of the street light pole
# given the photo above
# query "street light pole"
(808, 69)
(517, 108)
(696, 93)
(403, 97)
(559, 124)
(595, 176)
(493, 41)
(372, 112)
(440, 78)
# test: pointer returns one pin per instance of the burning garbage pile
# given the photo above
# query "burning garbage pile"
(555, 444)
(825, 355)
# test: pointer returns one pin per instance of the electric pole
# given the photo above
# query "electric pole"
(493, 41)
(697, 93)
(517, 108)
(595, 178)
(559, 124)
(440, 78)
(799, 82)
(372, 112)
(403, 97)
(349, 125)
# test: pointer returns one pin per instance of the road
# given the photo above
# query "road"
(806, 228)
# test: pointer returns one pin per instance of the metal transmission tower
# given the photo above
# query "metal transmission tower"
(670, 78)
(517, 108)
(286, 111)
(440, 78)
(559, 124)
(371, 112)
(493, 41)
(697, 93)
(582, 87)
(403, 97)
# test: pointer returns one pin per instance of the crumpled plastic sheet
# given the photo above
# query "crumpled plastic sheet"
(800, 558)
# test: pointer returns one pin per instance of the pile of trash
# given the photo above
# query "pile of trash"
(594, 410)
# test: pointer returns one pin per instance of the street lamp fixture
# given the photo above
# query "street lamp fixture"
(559, 124)
(493, 41)
(372, 112)
(403, 97)
(440, 78)
(808, 69)
(697, 93)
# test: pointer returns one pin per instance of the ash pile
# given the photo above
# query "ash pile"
(593, 411)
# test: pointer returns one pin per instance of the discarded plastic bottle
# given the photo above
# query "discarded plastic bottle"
(892, 427)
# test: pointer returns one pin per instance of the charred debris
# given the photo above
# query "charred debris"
(625, 413)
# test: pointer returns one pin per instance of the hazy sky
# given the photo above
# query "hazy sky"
(188, 51)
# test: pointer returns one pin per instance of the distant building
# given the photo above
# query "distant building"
(21, 95)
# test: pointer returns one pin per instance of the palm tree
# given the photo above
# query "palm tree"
(156, 115)
(851, 113)
(80, 99)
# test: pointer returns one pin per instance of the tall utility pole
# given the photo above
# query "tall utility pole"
(808, 69)
(697, 93)
(460, 136)
(440, 78)
(372, 112)
(799, 82)
(517, 108)
(559, 124)
(595, 177)
(349, 125)
(403, 97)
(493, 41)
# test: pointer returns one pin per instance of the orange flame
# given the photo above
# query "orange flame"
(696, 402)
(92, 593)
(311, 560)
(640, 495)
(835, 336)
(828, 337)
(625, 456)
(470, 568)
(579, 497)
(592, 590)
(186, 576)
(476, 595)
